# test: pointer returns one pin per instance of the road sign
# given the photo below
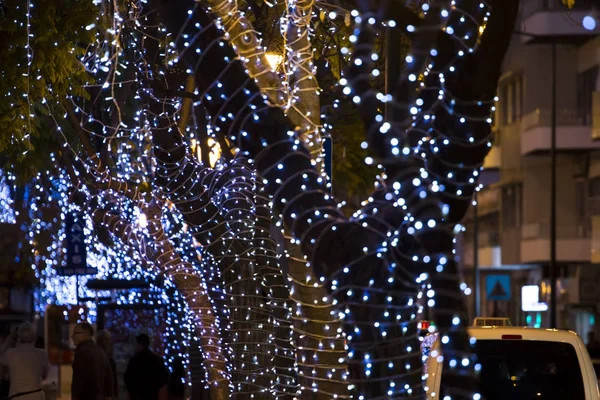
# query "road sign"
(498, 287)
(76, 248)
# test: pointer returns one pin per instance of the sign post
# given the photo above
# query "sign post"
(76, 249)
(498, 287)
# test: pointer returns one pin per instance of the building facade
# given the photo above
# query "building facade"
(513, 208)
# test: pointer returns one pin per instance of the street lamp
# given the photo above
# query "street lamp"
(274, 60)
(552, 265)
(476, 269)
(589, 22)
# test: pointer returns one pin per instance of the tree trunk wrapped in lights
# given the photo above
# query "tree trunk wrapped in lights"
(268, 267)
(247, 44)
(218, 206)
(191, 188)
(320, 343)
(304, 98)
(180, 165)
(244, 39)
(231, 188)
(189, 283)
(409, 185)
(461, 134)
(366, 265)
(349, 254)
(460, 37)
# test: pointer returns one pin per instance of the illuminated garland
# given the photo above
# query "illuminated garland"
(319, 339)
(248, 45)
(396, 153)
(373, 265)
(304, 96)
(7, 212)
(354, 256)
(49, 200)
(288, 175)
(216, 201)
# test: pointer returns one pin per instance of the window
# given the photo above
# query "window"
(512, 100)
(528, 369)
(586, 86)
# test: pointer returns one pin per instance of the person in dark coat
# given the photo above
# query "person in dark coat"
(104, 341)
(92, 375)
(146, 376)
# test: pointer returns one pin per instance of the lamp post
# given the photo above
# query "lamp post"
(552, 266)
(476, 270)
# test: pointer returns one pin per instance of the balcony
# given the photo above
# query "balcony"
(572, 133)
(573, 243)
(550, 18)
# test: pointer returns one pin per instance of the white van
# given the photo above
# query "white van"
(520, 363)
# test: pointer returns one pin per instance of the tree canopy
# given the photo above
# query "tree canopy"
(43, 64)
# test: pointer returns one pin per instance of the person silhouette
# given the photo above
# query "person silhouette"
(27, 365)
(146, 376)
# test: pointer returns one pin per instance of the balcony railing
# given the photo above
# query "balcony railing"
(543, 117)
(529, 7)
(542, 231)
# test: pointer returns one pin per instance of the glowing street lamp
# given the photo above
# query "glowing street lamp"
(214, 155)
(589, 22)
(274, 60)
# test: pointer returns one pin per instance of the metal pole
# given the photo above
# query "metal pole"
(476, 270)
(553, 267)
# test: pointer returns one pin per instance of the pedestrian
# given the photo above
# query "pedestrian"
(176, 380)
(27, 365)
(92, 375)
(146, 376)
(104, 341)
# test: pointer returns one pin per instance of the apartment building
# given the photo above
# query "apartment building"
(513, 211)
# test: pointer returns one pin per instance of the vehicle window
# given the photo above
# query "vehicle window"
(525, 370)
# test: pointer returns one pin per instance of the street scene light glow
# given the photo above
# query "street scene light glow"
(589, 22)
(175, 161)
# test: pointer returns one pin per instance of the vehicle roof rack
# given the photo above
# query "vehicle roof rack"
(489, 321)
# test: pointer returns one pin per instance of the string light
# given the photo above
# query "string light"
(205, 229)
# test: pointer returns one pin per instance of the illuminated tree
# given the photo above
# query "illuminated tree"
(162, 78)
(403, 237)
(40, 66)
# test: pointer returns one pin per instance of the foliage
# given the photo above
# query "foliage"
(54, 37)
(352, 178)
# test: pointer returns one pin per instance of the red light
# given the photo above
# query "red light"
(512, 337)
(425, 324)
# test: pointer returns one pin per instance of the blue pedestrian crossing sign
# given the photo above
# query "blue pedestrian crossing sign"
(497, 287)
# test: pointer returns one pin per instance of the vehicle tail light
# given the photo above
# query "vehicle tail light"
(512, 337)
